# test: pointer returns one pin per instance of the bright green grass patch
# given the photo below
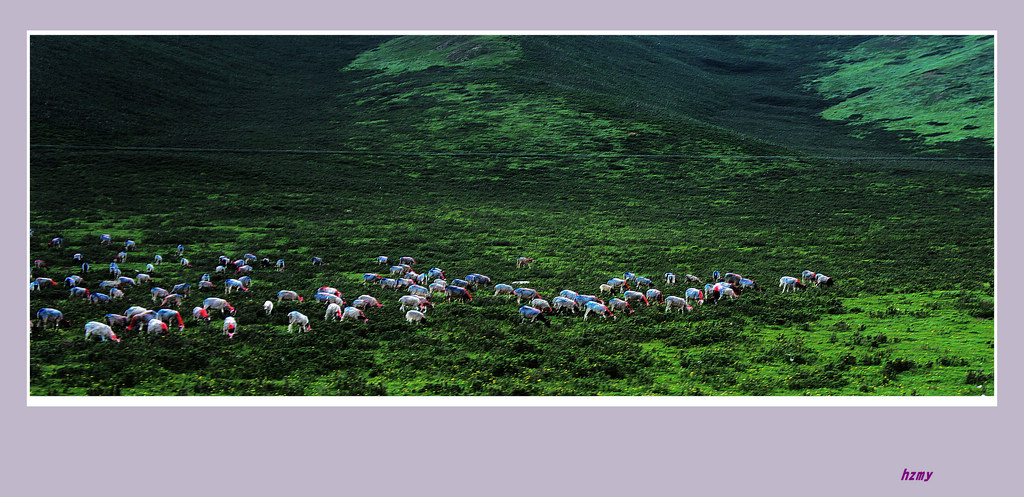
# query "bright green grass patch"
(940, 87)
(414, 53)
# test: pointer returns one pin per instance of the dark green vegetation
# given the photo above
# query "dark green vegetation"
(579, 151)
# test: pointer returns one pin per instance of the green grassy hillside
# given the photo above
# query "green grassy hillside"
(594, 155)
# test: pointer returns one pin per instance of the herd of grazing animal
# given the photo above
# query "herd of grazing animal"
(628, 293)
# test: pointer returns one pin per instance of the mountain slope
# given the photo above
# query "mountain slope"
(711, 95)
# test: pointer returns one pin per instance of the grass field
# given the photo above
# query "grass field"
(467, 153)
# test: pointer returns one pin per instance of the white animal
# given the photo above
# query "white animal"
(156, 326)
(268, 307)
(101, 330)
(789, 283)
(200, 314)
(673, 302)
(133, 310)
(158, 293)
(541, 304)
(598, 309)
(414, 316)
(230, 325)
(564, 304)
(296, 317)
(287, 295)
(333, 311)
(353, 313)
(411, 301)
(218, 304)
(370, 301)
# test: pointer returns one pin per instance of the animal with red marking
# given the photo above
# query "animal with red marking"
(96, 328)
(296, 317)
(673, 302)
(44, 283)
(369, 301)
(694, 294)
(232, 284)
(597, 309)
(156, 326)
(457, 293)
(581, 300)
(170, 316)
(141, 320)
(230, 327)
(524, 262)
(287, 295)
(525, 293)
(808, 276)
(790, 283)
(354, 314)
(79, 292)
(412, 301)
(333, 311)
(633, 297)
(619, 305)
(200, 314)
(219, 305)
(654, 295)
